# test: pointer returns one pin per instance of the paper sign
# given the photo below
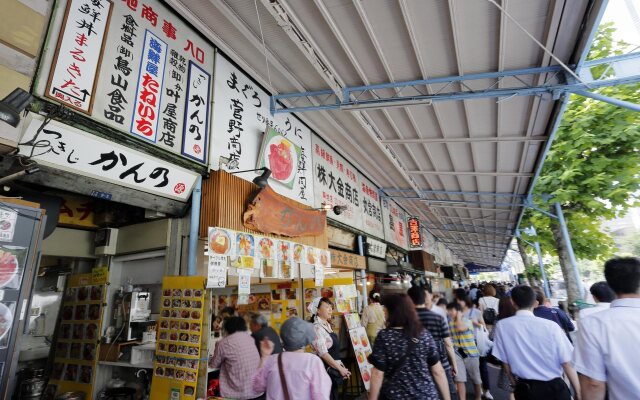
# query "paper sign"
(362, 349)
(217, 272)
(244, 282)
(7, 225)
(318, 275)
(99, 275)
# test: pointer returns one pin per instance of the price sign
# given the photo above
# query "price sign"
(217, 272)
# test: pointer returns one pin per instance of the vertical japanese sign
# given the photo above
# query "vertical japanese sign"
(336, 183)
(145, 118)
(73, 76)
(395, 224)
(371, 210)
(246, 134)
(415, 238)
(196, 131)
(139, 66)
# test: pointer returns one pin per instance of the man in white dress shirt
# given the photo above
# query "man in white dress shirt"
(602, 295)
(536, 351)
(608, 345)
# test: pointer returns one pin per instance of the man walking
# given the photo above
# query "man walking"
(607, 346)
(602, 295)
(438, 328)
(535, 350)
(544, 310)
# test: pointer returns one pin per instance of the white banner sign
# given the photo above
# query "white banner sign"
(241, 122)
(72, 81)
(376, 248)
(8, 220)
(73, 150)
(371, 210)
(395, 224)
(133, 65)
(336, 183)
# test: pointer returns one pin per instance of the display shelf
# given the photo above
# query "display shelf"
(126, 364)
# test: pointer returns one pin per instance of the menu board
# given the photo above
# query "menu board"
(395, 224)
(78, 336)
(134, 66)
(178, 347)
(284, 303)
(246, 133)
(336, 183)
(361, 348)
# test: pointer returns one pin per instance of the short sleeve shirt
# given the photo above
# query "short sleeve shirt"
(412, 380)
(438, 329)
(607, 348)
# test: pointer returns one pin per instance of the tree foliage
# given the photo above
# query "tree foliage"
(593, 167)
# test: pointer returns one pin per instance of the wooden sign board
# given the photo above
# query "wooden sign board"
(341, 259)
(272, 213)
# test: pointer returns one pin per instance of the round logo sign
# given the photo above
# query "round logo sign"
(179, 188)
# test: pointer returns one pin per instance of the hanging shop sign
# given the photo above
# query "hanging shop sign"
(395, 225)
(246, 133)
(415, 238)
(371, 210)
(336, 182)
(341, 259)
(269, 212)
(375, 248)
(134, 66)
(70, 149)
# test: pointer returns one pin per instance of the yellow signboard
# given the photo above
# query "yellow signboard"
(77, 212)
(100, 275)
(178, 347)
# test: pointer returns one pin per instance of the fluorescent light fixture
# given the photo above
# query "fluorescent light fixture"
(376, 105)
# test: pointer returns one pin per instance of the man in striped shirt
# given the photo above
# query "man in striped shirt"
(467, 355)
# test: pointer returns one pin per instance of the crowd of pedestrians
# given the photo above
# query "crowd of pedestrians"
(427, 348)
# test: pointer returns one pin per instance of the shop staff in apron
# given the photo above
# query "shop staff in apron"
(326, 344)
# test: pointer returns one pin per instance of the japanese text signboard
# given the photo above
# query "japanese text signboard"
(415, 238)
(395, 224)
(134, 66)
(73, 150)
(371, 210)
(336, 182)
(246, 134)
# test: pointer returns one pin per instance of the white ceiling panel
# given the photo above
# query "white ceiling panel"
(379, 41)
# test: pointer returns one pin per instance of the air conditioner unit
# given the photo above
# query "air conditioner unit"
(106, 241)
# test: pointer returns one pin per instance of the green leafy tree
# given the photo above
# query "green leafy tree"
(592, 169)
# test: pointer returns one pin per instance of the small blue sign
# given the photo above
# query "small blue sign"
(101, 195)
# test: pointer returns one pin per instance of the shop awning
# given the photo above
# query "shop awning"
(464, 165)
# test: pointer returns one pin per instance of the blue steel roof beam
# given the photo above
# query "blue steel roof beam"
(476, 227)
(555, 89)
(449, 192)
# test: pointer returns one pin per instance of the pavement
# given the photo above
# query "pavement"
(498, 394)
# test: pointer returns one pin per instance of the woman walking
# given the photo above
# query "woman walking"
(293, 374)
(403, 355)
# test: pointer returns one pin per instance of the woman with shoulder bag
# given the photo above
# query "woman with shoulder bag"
(326, 344)
(293, 374)
(405, 359)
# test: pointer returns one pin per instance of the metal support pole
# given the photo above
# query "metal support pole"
(194, 227)
(567, 240)
(363, 274)
(610, 100)
(545, 281)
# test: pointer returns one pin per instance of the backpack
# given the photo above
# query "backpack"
(489, 315)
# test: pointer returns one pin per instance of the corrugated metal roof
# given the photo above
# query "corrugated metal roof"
(377, 41)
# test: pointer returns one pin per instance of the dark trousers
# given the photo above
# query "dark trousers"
(484, 373)
(555, 389)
